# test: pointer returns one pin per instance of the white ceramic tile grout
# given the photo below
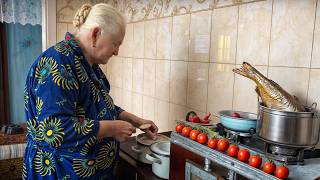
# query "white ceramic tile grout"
(235, 60)
(314, 28)
(270, 40)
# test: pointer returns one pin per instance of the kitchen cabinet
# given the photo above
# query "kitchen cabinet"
(185, 164)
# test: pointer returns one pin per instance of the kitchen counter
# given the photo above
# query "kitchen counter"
(311, 169)
(129, 167)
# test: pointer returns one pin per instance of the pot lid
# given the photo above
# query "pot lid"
(145, 140)
(161, 148)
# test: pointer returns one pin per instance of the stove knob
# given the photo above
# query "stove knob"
(252, 131)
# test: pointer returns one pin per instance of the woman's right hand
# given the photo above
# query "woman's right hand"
(118, 129)
(122, 130)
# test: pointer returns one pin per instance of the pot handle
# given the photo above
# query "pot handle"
(136, 149)
(151, 157)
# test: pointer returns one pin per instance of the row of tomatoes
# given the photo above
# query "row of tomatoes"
(233, 150)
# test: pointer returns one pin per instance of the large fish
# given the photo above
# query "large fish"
(272, 95)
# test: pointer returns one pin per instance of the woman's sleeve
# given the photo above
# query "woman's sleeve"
(118, 110)
(62, 121)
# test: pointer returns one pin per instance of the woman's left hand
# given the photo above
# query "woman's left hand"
(152, 130)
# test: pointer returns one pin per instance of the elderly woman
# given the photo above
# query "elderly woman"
(74, 128)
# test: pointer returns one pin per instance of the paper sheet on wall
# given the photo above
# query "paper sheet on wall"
(201, 44)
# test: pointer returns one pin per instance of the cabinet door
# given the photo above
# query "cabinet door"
(196, 172)
(178, 157)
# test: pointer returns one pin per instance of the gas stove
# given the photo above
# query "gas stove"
(281, 153)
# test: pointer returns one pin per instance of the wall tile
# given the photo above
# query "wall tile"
(175, 77)
(180, 37)
(117, 71)
(116, 94)
(176, 112)
(200, 36)
(127, 74)
(162, 115)
(127, 100)
(149, 77)
(62, 28)
(164, 38)
(150, 39)
(138, 40)
(137, 10)
(111, 70)
(292, 33)
(315, 63)
(125, 49)
(148, 108)
(254, 32)
(224, 35)
(313, 93)
(137, 104)
(245, 97)
(137, 75)
(179, 82)
(293, 80)
(162, 79)
(104, 68)
(197, 85)
(220, 90)
(200, 5)
(71, 28)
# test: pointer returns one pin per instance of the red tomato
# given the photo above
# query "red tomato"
(202, 138)
(222, 145)
(186, 131)
(179, 128)
(212, 143)
(243, 155)
(195, 119)
(269, 167)
(194, 134)
(282, 172)
(233, 150)
(255, 161)
(236, 115)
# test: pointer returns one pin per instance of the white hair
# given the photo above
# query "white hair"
(102, 15)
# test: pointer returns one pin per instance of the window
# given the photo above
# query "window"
(20, 44)
(22, 47)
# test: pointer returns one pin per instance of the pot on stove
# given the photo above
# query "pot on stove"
(160, 157)
(142, 146)
(294, 129)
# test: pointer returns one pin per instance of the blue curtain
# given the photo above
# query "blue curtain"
(23, 47)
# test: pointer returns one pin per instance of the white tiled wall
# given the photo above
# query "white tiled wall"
(170, 65)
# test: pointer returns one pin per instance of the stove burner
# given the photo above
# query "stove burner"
(275, 149)
(290, 155)
(235, 136)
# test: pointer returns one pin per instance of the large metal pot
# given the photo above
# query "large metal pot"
(296, 129)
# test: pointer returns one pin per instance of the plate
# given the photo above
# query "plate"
(198, 124)
(145, 140)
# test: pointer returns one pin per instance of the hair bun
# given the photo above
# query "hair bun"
(81, 15)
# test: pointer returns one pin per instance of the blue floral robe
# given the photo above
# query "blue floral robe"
(65, 98)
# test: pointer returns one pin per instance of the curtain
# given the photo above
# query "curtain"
(20, 11)
(23, 47)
